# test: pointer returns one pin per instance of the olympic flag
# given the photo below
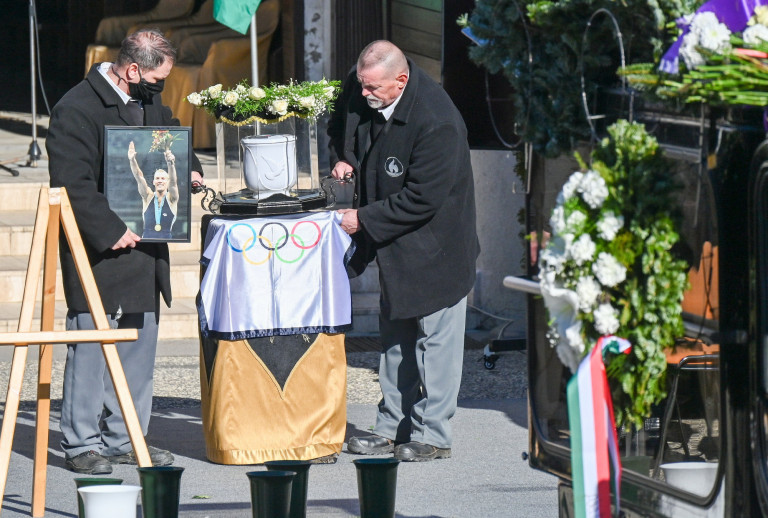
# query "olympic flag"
(275, 275)
(235, 14)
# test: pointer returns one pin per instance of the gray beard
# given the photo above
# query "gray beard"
(374, 102)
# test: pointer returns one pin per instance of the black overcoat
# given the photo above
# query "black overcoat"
(129, 279)
(417, 207)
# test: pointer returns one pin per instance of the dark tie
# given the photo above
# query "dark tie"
(378, 122)
(135, 112)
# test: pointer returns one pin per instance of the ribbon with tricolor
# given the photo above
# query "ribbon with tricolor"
(595, 461)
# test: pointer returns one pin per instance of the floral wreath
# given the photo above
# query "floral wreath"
(724, 53)
(608, 268)
(245, 104)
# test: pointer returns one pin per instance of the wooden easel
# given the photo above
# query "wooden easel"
(53, 208)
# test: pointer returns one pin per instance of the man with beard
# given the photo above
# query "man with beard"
(414, 212)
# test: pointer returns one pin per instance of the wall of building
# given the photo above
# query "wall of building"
(500, 202)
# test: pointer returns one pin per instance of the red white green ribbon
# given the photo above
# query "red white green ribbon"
(595, 461)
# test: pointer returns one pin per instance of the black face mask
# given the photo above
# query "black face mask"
(144, 91)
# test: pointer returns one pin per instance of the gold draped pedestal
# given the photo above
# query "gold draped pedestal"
(281, 395)
(249, 419)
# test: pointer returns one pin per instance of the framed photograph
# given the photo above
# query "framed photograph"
(147, 179)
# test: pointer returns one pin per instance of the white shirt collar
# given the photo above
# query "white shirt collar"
(387, 112)
(103, 68)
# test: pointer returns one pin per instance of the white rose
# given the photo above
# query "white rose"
(593, 189)
(706, 31)
(552, 260)
(240, 89)
(587, 290)
(328, 91)
(554, 256)
(570, 187)
(230, 98)
(756, 35)
(688, 52)
(195, 99)
(712, 34)
(256, 93)
(307, 102)
(576, 221)
(716, 38)
(279, 106)
(761, 15)
(606, 319)
(609, 225)
(608, 270)
(557, 221)
(214, 91)
(702, 21)
(582, 250)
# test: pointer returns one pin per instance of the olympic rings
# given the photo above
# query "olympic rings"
(293, 233)
(273, 246)
(251, 241)
(248, 259)
(303, 249)
(285, 239)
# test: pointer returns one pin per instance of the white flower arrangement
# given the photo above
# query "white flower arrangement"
(755, 35)
(722, 67)
(608, 268)
(244, 104)
(706, 32)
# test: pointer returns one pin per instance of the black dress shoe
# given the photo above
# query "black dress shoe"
(156, 455)
(370, 445)
(418, 452)
(89, 463)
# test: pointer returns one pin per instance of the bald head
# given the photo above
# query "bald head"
(383, 54)
(382, 71)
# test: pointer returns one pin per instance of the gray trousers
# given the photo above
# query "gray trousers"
(420, 374)
(90, 412)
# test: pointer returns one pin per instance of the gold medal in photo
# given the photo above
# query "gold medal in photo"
(158, 227)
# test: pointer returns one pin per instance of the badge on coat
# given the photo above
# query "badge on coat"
(393, 167)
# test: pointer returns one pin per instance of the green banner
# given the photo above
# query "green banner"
(235, 14)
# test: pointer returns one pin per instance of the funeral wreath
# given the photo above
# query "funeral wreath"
(609, 268)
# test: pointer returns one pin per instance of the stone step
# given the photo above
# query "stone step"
(21, 196)
(17, 228)
(365, 313)
(22, 193)
(368, 282)
(185, 276)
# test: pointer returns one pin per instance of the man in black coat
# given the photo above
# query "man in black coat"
(399, 132)
(130, 275)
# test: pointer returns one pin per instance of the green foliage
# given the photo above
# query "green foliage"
(547, 91)
(625, 281)
(727, 79)
(650, 299)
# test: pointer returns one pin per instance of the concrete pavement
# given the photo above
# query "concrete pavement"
(485, 478)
